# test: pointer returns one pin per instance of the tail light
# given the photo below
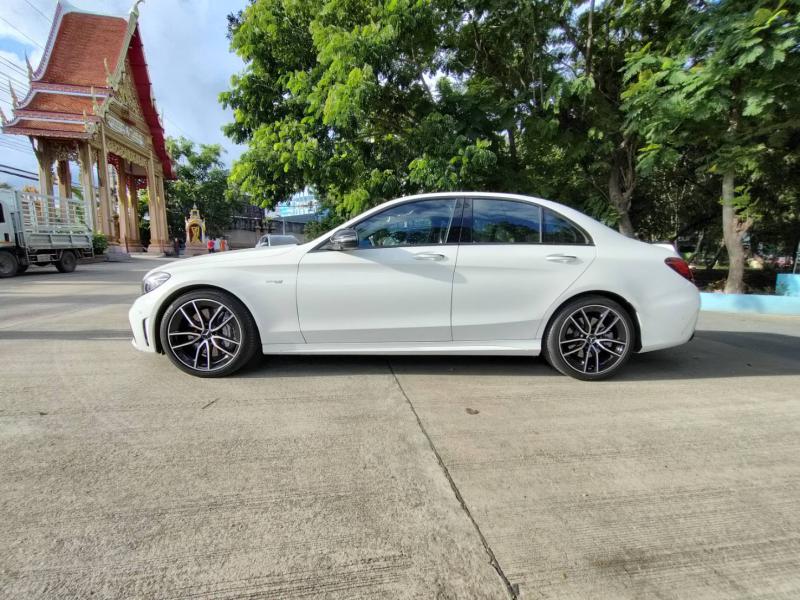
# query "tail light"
(680, 266)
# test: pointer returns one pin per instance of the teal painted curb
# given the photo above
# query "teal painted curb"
(751, 303)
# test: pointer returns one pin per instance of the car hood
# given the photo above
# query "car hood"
(221, 259)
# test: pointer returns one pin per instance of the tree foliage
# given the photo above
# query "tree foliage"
(621, 108)
(728, 87)
(202, 180)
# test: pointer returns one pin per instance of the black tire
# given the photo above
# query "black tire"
(67, 262)
(200, 340)
(590, 338)
(8, 264)
(21, 269)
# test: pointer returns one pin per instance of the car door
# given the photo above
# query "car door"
(514, 261)
(395, 287)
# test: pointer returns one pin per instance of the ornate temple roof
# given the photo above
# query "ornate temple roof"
(81, 69)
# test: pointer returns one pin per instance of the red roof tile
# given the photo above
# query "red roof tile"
(82, 43)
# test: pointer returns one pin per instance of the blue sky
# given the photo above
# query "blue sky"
(186, 51)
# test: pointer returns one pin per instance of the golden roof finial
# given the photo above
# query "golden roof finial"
(14, 100)
(30, 68)
(135, 9)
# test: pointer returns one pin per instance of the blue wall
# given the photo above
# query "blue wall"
(751, 303)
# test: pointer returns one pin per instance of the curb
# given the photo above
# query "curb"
(750, 303)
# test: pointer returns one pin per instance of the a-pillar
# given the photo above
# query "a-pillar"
(87, 183)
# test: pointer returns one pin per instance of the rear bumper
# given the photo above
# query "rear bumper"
(671, 320)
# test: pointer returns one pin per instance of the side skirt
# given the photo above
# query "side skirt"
(495, 347)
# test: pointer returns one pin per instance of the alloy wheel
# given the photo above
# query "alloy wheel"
(593, 339)
(204, 334)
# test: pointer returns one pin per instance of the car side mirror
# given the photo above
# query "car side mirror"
(344, 239)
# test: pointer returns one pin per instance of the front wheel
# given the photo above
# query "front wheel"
(8, 264)
(590, 338)
(208, 333)
(67, 262)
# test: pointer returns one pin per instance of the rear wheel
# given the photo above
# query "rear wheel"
(208, 333)
(590, 338)
(67, 262)
(8, 264)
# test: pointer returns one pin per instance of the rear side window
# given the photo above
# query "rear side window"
(505, 222)
(2, 216)
(558, 230)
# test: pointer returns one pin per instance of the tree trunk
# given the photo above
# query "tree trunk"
(733, 229)
(621, 198)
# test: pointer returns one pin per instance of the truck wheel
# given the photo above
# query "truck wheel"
(67, 262)
(21, 269)
(8, 264)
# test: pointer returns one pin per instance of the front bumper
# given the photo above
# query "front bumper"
(141, 323)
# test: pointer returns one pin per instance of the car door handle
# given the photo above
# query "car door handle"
(429, 256)
(562, 258)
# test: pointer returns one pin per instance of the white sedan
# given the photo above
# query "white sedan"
(450, 273)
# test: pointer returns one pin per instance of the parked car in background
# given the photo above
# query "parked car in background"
(272, 239)
(449, 273)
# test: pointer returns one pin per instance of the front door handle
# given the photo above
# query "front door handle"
(429, 256)
(562, 258)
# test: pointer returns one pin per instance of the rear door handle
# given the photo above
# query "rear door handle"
(429, 256)
(562, 258)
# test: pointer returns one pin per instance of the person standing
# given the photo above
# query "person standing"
(217, 245)
(176, 244)
(210, 246)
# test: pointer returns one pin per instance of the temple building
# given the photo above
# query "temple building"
(90, 101)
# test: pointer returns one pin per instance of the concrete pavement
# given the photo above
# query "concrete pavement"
(365, 477)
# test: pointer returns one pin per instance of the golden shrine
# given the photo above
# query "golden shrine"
(195, 233)
(90, 101)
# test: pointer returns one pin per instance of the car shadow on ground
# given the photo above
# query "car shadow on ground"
(712, 354)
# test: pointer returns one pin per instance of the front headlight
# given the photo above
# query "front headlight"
(153, 280)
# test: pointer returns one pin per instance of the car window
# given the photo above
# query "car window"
(505, 222)
(558, 230)
(282, 240)
(421, 223)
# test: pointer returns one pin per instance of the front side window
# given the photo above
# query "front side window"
(505, 222)
(420, 223)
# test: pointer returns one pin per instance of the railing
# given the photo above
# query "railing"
(48, 214)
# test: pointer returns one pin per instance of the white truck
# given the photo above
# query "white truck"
(41, 230)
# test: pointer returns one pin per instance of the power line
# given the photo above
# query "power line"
(14, 79)
(2, 170)
(18, 169)
(16, 146)
(36, 8)
(14, 66)
(17, 150)
(4, 20)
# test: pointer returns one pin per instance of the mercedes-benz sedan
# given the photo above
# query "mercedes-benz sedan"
(449, 273)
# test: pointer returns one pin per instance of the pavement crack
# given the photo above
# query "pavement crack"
(209, 404)
(512, 589)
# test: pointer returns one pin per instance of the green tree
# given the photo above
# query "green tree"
(731, 87)
(202, 180)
